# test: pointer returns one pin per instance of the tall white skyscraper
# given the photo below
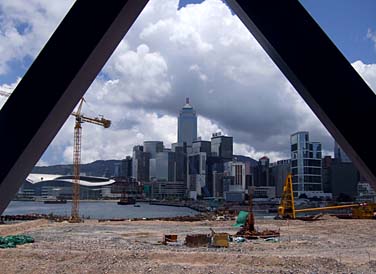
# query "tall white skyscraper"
(187, 124)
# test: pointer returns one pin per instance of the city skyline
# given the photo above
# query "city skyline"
(236, 88)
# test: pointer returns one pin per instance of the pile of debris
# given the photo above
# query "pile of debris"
(209, 240)
(247, 223)
(170, 238)
(246, 220)
(26, 217)
(200, 240)
(31, 217)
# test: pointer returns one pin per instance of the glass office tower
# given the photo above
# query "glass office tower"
(187, 124)
(305, 165)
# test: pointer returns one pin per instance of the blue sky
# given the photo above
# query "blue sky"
(201, 51)
(345, 21)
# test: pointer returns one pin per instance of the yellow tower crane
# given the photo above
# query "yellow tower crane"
(287, 210)
(80, 118)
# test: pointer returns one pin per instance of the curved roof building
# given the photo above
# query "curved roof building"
(55, 185)
(35, 178)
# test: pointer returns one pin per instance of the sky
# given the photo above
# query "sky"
(197, 49)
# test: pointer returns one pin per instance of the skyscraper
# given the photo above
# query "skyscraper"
(140, 164)
(187, 124)
(222, 146)
(305, 165)
(153, 147)
(340, 155)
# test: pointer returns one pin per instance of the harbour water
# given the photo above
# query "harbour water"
(99, 210)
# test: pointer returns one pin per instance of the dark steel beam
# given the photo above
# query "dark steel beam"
(319, 72)
(55, 82)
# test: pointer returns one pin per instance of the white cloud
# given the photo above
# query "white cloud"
(206, 127)
(196, 69)
(367, 72)
(7, 89)
(116, 142)
(371, 35)
(25, 27)
(247, 150)
(201, 51)
(141, 72)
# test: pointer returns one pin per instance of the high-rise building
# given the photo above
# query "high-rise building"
(278, 173)
(344, 179)
(179, 147)
(117, 169)
(217, 178)
(326, 173)
(196, 181)
(201, 146)
(187, 124)
(340, 155)
(250, 169)
(261, 172)
(234, 181)
(214, 175)
(222, 146)
(180, 161)
(153, 147)
(237, 170)
(140, 164)
(306, 166)
(365, 192)
(126, 167)
(165, 166)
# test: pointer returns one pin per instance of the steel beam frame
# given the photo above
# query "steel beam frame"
(330, 86)
(55, 82)
(90, 32)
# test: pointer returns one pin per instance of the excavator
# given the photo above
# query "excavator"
(287, 210)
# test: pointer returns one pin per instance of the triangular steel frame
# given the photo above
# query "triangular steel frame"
(90, 32)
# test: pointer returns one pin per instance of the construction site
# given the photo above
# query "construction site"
(330, 237)
(213, 242)
(216, 242)
(329, 245)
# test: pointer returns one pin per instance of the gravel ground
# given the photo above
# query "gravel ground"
(325, 246)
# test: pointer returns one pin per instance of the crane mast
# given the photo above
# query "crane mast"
(75, 216)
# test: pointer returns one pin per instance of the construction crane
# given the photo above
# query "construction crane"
(287, 210)
(80, 118)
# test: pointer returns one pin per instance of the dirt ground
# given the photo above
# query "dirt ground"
(326, 246)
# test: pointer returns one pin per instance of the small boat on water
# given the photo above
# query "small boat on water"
(56, 201)
(127, 201)
(136, 205)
